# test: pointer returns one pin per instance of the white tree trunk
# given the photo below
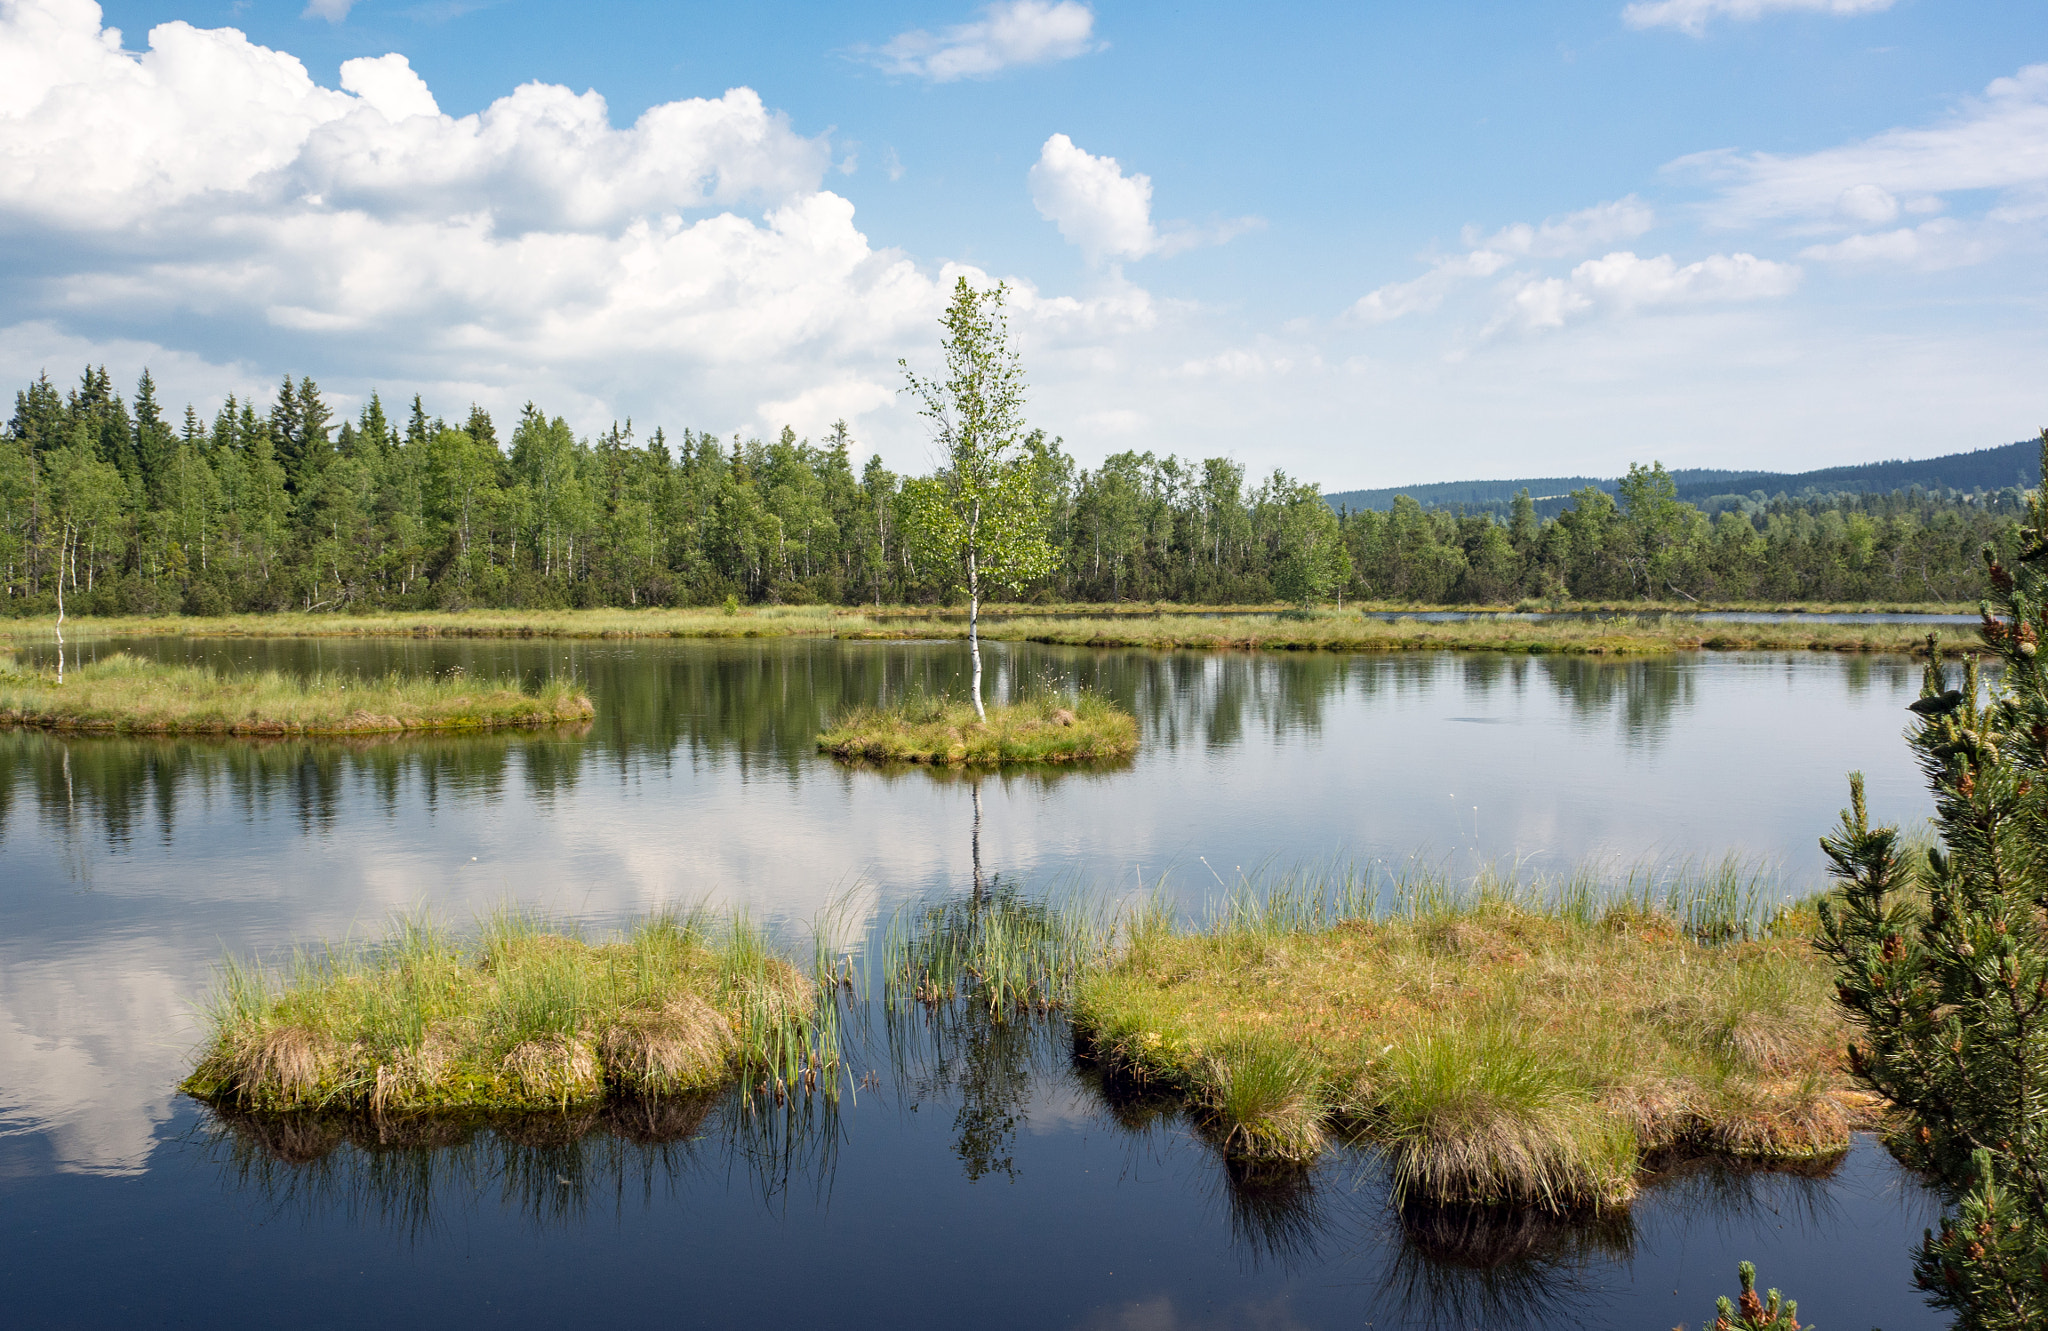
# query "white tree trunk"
(974, 634)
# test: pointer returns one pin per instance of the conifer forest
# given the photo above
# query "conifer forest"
(287, 505)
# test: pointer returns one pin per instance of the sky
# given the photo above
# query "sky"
(1370, 244)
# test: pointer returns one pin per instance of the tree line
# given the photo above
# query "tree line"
(286, 505)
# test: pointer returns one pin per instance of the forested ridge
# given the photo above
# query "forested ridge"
(286, 506)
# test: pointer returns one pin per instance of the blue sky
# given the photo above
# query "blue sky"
(1381, 243)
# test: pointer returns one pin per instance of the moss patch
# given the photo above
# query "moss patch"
(1044, 730)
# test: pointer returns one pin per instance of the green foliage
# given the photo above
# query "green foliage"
(1944, 969)
(283, 506)
(1751, 1313)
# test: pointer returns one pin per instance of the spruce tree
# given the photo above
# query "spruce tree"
(1944, 968)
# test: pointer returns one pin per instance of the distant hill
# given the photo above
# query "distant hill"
(1985, 469)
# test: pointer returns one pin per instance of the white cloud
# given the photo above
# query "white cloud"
(1108, 214)
(1419, 295)
(1692, 16)
(1941, 243)
(388, 83)
(334, 11)
(813, 411)
(532, 249)
(1624, 282)
(1555, 237)
(1574, 233)
(97, 139)
(1094, 204)
(1020, 32)
(1246, 364)
(1998, 141)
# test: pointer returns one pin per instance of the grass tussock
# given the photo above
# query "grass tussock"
(940, 731)
(1529, 1045)
(122, 693)
(525, 1016)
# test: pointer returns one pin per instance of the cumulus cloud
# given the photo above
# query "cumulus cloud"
(1019, 32)
(1998, 141)
(208, 122)
(1623, 282)
(1094, 204)
(1692, 16)
(1108, 214)
(209, 182)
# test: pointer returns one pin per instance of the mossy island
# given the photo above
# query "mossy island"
(527, 1016)
(1046, 729)
(125, 694)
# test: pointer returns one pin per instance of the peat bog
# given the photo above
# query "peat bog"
(954, 1122)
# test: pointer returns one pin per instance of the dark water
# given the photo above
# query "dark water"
(986, 1179)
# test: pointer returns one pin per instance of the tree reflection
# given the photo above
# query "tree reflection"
(757, 707)
(554, 1170)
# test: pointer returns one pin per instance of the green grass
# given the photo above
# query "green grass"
(1628, 634)
(121, 693)
(526, 1015)
(946, 732)
(1628, 628)
(1533, 1043)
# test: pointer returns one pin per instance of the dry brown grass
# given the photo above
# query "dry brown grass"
(1499, 1053)
(527, 1017)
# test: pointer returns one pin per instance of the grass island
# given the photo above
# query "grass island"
(528, 1016)
(945, 732)
(1437, 1038)
(124, 694)
(1421, 1020)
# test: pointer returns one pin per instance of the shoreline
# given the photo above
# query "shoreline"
(1633, 632)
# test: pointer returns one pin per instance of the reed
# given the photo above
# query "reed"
(526, 1015)
(943, 732)
(124, 694)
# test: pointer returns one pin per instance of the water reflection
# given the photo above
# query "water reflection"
(128, 865)
(753, 711)
(979, 1082)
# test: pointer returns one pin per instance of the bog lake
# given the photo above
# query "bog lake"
(977, 1177)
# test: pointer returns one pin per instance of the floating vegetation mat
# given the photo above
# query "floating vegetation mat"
(124, 694)
(1047, 729)
(527, 1016)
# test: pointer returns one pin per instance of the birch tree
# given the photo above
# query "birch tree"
(978, 518)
